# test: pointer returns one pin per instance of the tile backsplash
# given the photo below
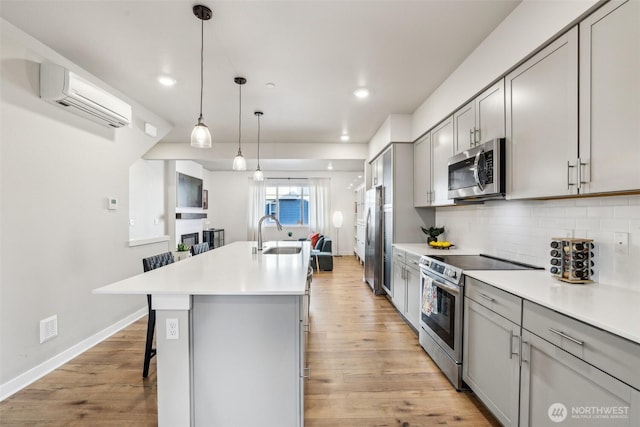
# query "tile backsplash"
(522, 230)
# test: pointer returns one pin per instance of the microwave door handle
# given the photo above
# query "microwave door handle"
(476, 174)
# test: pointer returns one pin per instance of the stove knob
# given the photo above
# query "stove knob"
(453, 274)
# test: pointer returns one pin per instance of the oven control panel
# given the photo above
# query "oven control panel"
(430, 265)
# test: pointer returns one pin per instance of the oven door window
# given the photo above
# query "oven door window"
(438, 311)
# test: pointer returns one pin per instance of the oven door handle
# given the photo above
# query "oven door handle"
(449, 288)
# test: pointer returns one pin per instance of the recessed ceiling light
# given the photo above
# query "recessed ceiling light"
(166, 81)
(361, 93)
(330, 167)
(359, 176)
(344, 138)
(270, 85)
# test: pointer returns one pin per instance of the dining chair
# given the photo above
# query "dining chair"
(199, 248)
(151, 263)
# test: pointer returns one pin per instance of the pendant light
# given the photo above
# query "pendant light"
(200, 136)
(258, 175)
(239, 163)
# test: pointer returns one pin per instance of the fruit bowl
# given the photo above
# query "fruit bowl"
(441, 245)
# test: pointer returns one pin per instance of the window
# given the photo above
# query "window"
(288, 202)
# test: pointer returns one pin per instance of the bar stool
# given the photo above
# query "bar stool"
(151, 263)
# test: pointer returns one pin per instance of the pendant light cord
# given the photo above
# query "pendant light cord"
(201, 63)
(240, 120)
(259, 140)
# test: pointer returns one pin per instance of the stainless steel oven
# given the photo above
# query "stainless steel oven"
(441, 310)
(441, 313)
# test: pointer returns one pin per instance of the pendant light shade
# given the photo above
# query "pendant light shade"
(200, 136)
(239, 162)
(258, 175)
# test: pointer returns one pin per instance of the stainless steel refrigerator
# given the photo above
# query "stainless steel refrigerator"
(373, 253)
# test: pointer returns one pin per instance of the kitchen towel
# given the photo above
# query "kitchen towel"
(429, 297)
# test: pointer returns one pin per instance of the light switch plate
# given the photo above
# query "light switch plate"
(113, 203)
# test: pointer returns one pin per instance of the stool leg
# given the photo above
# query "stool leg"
(149, 351)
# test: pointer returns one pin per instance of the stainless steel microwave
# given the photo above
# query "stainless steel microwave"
(479, 172)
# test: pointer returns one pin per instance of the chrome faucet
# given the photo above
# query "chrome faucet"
(273, 217)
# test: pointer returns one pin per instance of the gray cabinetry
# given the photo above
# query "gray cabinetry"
(542, 122)
(609, 98)
(589, 371)
(422, 171)
(406, 285)
(441, 151)
(558, 387)
(480, 120)
(491, 365)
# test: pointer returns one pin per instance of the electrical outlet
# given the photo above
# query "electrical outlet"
(173, 329)
(621, 243)
(48, 328)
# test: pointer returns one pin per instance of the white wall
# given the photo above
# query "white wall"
(522, 230)
(58, 241)
(228, 205)
(147, 217)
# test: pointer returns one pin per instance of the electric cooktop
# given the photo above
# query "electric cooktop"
(482, 262)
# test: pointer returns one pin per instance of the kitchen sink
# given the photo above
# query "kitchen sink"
(282, 250)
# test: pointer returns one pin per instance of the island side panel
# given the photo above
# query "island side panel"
(246, 360)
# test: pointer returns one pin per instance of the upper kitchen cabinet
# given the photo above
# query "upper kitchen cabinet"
(441, 151)
(542, 122)
(377, 171)
(481, 120)
(422, 171)
(610, 98)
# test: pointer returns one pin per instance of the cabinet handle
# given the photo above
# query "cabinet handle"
(580, 168)
(511, 337)
(471, 136)
(522, 345)
(306, 327)
(487, 297)
(477, 136)
(308, 376)
(569, 183)
(563, 335)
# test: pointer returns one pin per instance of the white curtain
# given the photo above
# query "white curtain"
(256, 204)
(319, 205)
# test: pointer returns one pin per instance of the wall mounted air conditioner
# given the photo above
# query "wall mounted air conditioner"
(66, 89)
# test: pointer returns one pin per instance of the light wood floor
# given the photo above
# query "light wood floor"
(367, 369)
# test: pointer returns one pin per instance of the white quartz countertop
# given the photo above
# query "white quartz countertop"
(229, 270)
(610, 308)
(424, 249)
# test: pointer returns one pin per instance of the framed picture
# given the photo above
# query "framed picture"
(205, 199)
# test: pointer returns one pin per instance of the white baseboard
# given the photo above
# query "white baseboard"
(23, 380)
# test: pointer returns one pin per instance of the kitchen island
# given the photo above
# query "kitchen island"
(230, 335)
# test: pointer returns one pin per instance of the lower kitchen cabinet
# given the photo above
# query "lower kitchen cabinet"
(406, 285)
(532, 366)
(491, 365)
(558, 387)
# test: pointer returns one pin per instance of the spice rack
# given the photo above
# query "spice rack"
(572, 259)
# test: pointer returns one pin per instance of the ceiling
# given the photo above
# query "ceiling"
(316, 52)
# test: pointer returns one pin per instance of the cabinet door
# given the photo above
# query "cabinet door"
(542, 122)
(558, 387)
(399, 287)
(412, 312)
(422, 171)
(490, 113)
(464, 126)
(441, 151)
(387, 176)
(610, 98)
(491, 363)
